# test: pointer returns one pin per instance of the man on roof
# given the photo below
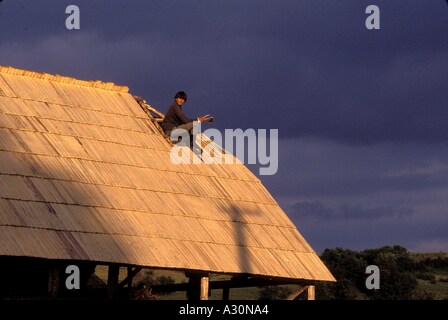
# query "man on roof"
(175, 118)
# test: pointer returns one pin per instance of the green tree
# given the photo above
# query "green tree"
(397, 278)
(348, 268)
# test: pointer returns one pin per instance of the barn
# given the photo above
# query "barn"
(86, 180)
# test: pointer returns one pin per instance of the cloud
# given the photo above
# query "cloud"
(423, 229)
(314, 168)
(319, 211)
(310, 69)
(361, 114)
(362, 197)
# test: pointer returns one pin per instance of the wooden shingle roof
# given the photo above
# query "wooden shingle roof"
(85, 175)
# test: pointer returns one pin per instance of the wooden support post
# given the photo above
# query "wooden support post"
(225, 293)
(307, 292)
(131, 274)
(53, 282)
(193, 286)
(311, 293)
(204, 288)
(112, 281)
(129, 277)
(198, 286)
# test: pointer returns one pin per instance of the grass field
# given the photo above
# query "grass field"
(418, 256)
(438, 291)
(438, 288)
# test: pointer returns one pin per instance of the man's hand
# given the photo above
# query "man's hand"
(206, 117)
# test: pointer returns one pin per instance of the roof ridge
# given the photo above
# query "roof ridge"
(109, 86)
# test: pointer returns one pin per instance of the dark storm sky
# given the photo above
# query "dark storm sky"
(362, 114)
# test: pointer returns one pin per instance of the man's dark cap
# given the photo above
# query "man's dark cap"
(181, 94)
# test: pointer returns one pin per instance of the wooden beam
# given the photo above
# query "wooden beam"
(112, 281)
(147, 107)
(233, 283)
(296, 294)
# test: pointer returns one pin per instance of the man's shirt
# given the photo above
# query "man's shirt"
(174, 117)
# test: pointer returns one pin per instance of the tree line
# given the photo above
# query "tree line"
(399, 271)
(399, 274)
